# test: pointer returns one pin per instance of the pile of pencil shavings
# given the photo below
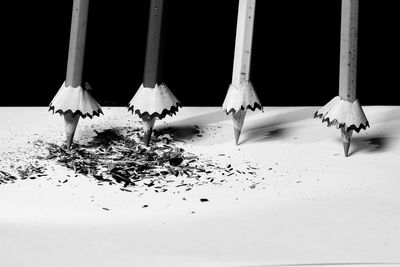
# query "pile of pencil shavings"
(111, 157)
(6, 178)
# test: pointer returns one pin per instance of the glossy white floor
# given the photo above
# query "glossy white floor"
(313, 208)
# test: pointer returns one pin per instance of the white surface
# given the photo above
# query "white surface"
(313, 208)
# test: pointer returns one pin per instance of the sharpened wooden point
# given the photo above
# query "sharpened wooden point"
(346, 138)
(148, 125)
(238, 120)
(71, 121)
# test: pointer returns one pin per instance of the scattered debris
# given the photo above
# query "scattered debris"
(253, 186)
(112, 157)
(31, 171)
(118, 157)
(5, 178)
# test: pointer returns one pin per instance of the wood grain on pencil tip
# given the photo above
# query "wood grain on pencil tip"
(348, 50)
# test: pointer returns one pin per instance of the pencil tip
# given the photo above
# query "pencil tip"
(238, 120)
(148, 124)
(346, 138)
(237, 135)
(346, 147)
(69, 140)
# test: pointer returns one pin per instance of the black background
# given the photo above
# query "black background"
(295, 58)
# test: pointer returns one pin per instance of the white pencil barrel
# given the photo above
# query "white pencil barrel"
(243, 43)
(348, 50)
(77, 43)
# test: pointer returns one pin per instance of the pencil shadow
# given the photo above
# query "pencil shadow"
(370, 144)
(203, 135)
(180, 132)
(379, 143)
(204, 119)
(268, 133)
(185, 129)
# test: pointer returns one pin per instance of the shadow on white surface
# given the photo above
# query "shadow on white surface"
(387, 115)
(280, 118)
(203, 119)
(180, 132)
(268, 133)
(369, 144)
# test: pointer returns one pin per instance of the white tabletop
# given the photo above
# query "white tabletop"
(308, 205)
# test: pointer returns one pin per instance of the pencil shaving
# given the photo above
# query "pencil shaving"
(76, 100)
(343, 114)
(156, 102)
(241, 98)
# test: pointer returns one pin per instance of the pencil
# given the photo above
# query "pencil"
(348, 61)
(345, 111)
(72, 101)
(151, 59)
(75, 60)
(153, 100)
(241, 94)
